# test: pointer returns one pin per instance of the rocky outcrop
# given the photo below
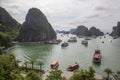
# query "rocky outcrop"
(72, 30)
(36, 27)
(63, 31)
(116, 30)
(7, 20)
(94, 32)
(83, 31)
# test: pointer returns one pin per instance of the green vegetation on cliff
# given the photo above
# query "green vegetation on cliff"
(36, 27)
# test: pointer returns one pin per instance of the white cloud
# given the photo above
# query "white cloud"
(69, 13)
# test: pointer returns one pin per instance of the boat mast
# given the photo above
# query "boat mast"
(97, 47)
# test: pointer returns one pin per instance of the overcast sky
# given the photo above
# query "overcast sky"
(67, 14)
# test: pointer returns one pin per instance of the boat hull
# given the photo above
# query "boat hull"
(97, 56)
(54, 65)
(70, 68)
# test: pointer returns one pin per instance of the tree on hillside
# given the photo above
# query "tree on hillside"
(1, 50)
(40, 63)
(108, 72)
(5, 40)
(55, 75)
(83, 75)
(8, 70)
(33, 76)
(91, 71)
(32, 63)
(25, 63)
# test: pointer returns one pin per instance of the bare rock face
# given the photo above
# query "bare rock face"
(116, 30)
(83, 31)
(7, 20)
(36, 27)
(95, 32)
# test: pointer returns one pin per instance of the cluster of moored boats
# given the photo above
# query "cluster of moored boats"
(53, 41)
(74, 39)
(72, 67)
(96, 59)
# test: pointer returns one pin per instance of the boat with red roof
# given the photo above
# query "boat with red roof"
(97, 56)
(73, 67)
(54, 64)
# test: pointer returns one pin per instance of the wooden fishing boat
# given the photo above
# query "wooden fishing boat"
(73, 67)
(97, 56)
(54, 64)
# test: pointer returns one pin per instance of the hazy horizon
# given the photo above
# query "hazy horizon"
(67, 14)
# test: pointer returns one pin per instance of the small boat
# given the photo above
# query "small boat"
(72, 39)
(59, 40)
(54, 64)
(110, 40)
(87, 38)
(115, 37)
(97, 56)
(102, 41)
(73, 67)
(65, 44)
(104, 36)
(53, 42)
(84, 42)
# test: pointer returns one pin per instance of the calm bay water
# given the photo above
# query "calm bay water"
(75, 52)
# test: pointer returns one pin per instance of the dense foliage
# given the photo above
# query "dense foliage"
(84, 74)
(55, 75)
(33, 76)
(5, 40)
(12, 33)
(7, 35)
(8, 68)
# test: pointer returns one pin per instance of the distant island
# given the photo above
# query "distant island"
(83, 31)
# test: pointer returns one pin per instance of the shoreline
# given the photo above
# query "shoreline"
(17, 43)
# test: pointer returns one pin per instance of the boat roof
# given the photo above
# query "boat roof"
(54, 62)
(73, 65)
(97, 51)
(97, 55)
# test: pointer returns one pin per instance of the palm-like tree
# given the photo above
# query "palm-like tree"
(32, 63)
(91, 72)
(12, 58)
(26, 65)
(1, 50)
(108, 71)
(40, 63)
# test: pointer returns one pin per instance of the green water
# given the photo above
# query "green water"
(75, 52)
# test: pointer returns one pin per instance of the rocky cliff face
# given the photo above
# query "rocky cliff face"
(6, 19)
(116, 30)
(83, 31)
(36, 27)
(95, 32)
